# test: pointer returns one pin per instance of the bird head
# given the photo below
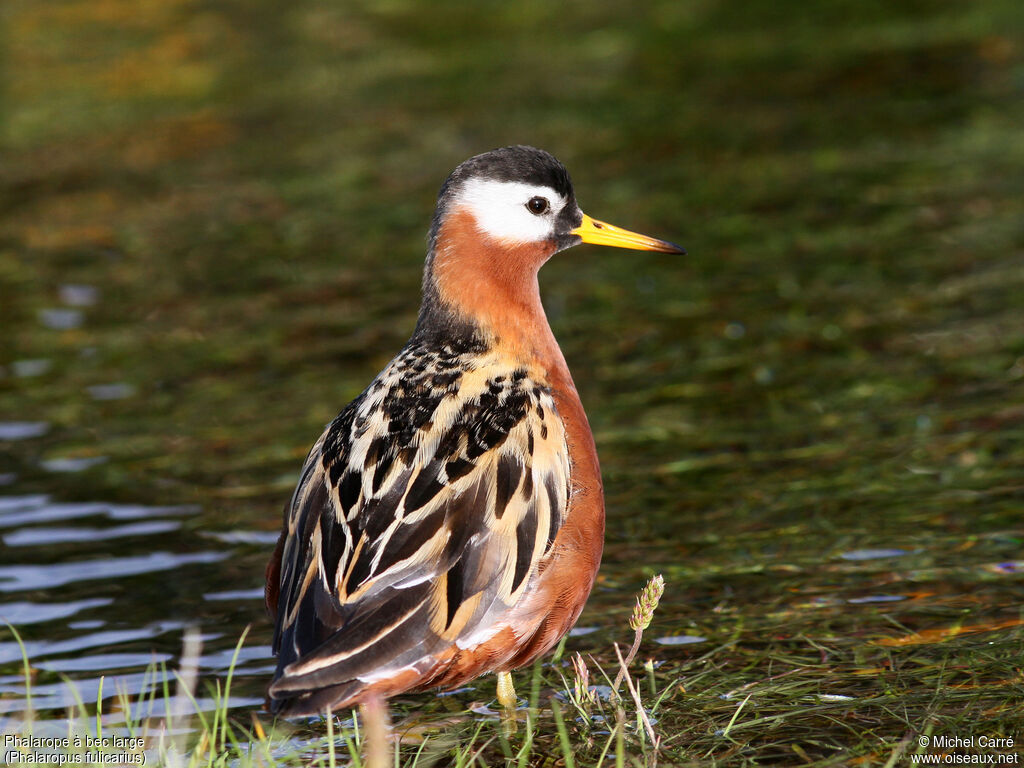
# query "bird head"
(499, 217)
(521, 197)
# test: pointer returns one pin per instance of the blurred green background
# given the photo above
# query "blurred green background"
(837, 366)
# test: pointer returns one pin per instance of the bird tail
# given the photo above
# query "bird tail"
(318, 702)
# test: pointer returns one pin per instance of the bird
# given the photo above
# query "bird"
(449, 523)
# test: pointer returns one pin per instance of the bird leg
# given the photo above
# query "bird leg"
(507, 692)
(508, 700)
(374, 710)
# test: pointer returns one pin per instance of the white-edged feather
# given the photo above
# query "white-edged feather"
(500, 210)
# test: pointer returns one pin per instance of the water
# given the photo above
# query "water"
(811, 425)
(22, 430)
(90, 609)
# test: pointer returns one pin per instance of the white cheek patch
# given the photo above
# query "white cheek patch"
(499, 208)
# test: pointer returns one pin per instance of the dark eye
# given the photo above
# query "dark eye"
(537, 205)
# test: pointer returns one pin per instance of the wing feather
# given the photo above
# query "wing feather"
(420, 517)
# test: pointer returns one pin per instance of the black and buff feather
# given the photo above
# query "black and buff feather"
(415, 524)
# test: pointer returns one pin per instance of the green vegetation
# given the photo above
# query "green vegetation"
(811, 425)
(608, 722)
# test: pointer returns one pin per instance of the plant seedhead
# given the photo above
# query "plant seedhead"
(647, 603)
(584, 697)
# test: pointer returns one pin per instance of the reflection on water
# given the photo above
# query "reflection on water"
(257, 538)
(40, 649)
(22, 430)
(26, 510)
(78, 295)
(61, 319)
(811, 425)
(61, 695)
(876, 599)
(103, 661)
(235, 594)
(872, 554)
(72, 464)
(680, 640)
(19, 614)
(54, 551)
(26, 369)
(117, 391)
(15, 578)
(39, 536)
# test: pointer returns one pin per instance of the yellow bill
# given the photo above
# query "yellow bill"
(600, 233)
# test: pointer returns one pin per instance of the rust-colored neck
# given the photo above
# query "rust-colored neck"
(493, 285)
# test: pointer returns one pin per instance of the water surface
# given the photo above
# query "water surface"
(812, 425)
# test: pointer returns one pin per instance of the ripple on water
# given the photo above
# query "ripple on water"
(29, 537)
(260, 538)
(15, 578)
(117, 391)
(872, 554)
(876, 599)
(27, 369)
(680, 640)
(17, 503)
(77, 641)
(138, 511)
(103, 661)
(75, 295)
(256, 593)
(34, 509)
(63, 695)
(37, 613)
(222, 659)
(71, 464)
(61, 319)
(70, 693)
(22, 430)
(40, 649)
